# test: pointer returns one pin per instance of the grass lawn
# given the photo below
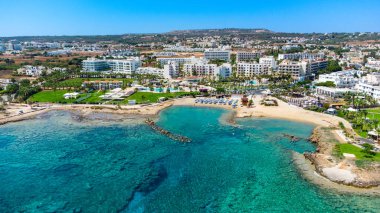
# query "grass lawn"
(351, 149)
(148, 97)
(373, 113)
(50, 96)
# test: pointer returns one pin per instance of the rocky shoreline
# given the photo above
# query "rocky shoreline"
(338, 170)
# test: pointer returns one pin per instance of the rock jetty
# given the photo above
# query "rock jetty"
(170, 135)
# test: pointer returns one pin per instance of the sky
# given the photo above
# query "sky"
(111, 17)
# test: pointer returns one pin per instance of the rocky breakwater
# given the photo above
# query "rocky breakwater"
(170, 135)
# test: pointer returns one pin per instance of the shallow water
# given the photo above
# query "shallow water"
(56, 163)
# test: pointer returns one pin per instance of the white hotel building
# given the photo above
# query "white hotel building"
(125, 66)
(150, 71)
(264, 67)
(297, 70)
(370, 85)
(179, 61)
(247, 56)
(208, 70)
(171, 70)
(213, 54)
(341, 79)
(94, 65)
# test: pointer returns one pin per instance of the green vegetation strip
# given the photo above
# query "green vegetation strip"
(148, 97)
(51, 96)
(358, 152)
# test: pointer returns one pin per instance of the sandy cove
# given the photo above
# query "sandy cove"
(321, 164)
(321, 167)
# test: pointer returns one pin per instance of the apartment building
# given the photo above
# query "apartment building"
(297, 70)
(251, 69)
(247, 56)
(269, 61)
(314, 66)
(208, 70)
(264, 67)
(199, 69)
(212, 54)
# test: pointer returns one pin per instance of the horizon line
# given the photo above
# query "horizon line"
(171, 31)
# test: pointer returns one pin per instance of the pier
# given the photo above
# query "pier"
(170, 135)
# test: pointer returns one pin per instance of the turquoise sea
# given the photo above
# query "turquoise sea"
(58, 163)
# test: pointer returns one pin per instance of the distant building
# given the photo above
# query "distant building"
(122, 53)
(2, 47)
(160, 54)
(58, 52)
(373, 64)
(212, 54)
(301, 56)
(289, 47)
(4, 82)
(31, 70)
